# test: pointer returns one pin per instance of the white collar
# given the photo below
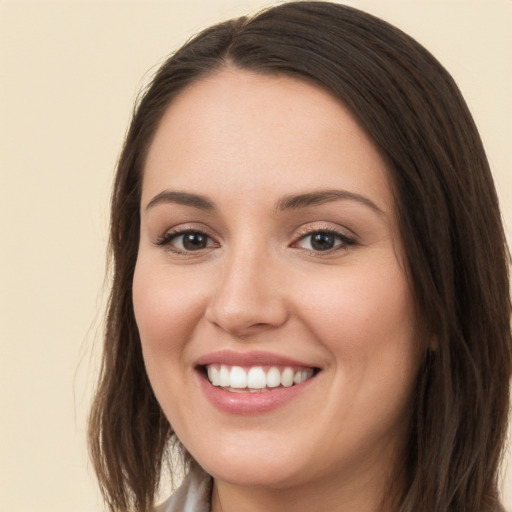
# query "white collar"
(193, 495)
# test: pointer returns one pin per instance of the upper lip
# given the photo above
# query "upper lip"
(254, 358)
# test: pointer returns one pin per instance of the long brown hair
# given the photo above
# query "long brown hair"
(457, 260)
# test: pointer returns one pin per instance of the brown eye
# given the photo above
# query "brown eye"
(186, 241)
(193, 241)
(323, 241)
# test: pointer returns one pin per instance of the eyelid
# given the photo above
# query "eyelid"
(166, 238)
(315, 227)
(309, 230)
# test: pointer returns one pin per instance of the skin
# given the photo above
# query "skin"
(245, 141)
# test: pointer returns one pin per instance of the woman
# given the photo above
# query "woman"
(310, 289)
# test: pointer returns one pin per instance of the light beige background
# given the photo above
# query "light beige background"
(70, 71)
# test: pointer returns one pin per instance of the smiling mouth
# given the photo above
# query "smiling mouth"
(256, 379)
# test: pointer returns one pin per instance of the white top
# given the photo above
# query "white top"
(193, 495)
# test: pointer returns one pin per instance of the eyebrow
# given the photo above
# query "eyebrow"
(288, 202)
(294, 202)
(184, 198)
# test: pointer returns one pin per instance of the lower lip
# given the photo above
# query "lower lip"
(251, 403)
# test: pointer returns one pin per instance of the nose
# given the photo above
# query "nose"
(248, 296)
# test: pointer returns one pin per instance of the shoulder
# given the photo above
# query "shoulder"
(193, 495)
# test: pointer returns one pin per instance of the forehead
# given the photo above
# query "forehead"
(241, 130)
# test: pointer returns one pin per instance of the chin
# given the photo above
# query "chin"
(255, 466)
(247, 475)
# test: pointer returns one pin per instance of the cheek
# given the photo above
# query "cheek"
(368, 324)
(167, 310)
(364, 307)
(367, 321)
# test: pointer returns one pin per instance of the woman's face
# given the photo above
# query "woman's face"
(270, 254)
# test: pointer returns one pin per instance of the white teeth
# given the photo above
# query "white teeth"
(273, 377)
(237, 378)
(302, 375)
(224, 379)
(213, 375)
(287, 377)
(256, 378)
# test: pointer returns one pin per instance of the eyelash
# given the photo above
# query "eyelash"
(345, 241)
(167, 238)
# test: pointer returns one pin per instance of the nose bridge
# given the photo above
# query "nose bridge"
(247, 295)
